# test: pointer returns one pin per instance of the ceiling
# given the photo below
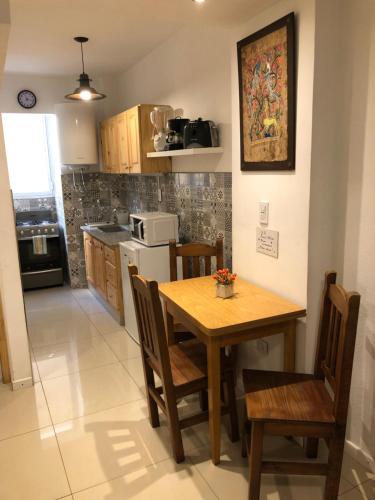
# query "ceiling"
(120, 31)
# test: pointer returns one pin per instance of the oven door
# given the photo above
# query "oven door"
(31, 262)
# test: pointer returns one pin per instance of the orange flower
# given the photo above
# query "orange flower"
(224, 276)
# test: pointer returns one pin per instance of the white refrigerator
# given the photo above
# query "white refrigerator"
(152, 263)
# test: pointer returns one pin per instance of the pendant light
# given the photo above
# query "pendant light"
(84, 92)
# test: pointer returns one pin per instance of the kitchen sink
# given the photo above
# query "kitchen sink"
(111, 228)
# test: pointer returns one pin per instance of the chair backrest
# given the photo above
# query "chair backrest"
(191, 254)
(336, 342)
(151, 324)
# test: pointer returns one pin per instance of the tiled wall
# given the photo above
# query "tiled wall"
(92, 201)
(203, 203)
(29, 204)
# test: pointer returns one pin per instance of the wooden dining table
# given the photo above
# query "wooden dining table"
(251, 313)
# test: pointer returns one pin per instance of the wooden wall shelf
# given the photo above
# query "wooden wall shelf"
(186, 152)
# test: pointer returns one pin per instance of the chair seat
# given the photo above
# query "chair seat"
(293, 397)
(189, 363)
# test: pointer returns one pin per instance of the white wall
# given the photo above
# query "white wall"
(51, 90)
(287, 192)
(191, 70)
(356, 223)
(10, 281)
(324, 169)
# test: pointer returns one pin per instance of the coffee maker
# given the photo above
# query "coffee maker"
(175, 136)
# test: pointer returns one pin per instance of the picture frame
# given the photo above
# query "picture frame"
(266, 71)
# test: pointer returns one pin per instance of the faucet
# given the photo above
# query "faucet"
(115, 217)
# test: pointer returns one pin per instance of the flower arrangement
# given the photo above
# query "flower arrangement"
(224, 277)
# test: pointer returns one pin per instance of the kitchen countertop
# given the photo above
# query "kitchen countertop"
(110, 239)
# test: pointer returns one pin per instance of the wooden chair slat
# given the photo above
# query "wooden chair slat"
(185, 268)
(207, 266)
(337, 333)
(196, 267)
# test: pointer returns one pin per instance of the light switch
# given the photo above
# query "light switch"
(263, 212)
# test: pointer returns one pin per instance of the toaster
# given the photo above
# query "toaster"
(201, 134)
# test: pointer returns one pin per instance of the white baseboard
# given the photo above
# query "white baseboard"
(359, 455)
(22, 383)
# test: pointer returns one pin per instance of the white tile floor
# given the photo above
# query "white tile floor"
(82, 431)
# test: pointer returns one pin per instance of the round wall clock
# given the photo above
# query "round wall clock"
(26, 99)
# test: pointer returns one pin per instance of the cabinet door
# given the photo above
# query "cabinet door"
(112, 145)
(89, 258)
(100, 278)
(122, 143)
(104, 145)
(133, 139)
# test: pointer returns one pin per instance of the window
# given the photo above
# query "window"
(26, 145)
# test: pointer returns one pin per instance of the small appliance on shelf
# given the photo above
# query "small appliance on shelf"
(175, 136)
(201, 134)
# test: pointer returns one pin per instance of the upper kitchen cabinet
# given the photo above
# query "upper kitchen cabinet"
(126, 139)
(109, 142)
(122, 142)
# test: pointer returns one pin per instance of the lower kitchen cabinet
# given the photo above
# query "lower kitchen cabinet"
(103, 271)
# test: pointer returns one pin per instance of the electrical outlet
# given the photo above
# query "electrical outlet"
(262, 346)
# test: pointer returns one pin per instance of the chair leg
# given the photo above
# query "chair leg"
(336, 451)
(255, 459)
(230, 397)
(175, 431)
(311, 447)
(153, 412)
(246, 438)
(203, 400)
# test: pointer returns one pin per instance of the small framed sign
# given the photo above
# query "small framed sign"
(266, 68)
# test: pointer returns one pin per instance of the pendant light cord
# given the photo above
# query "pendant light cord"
(83, 64)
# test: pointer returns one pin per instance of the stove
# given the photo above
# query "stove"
(39, 269)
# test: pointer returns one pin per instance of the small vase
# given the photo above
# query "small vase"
(224, 291)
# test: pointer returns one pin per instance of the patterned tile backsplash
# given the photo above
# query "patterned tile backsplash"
(30, 204)
(202, 201)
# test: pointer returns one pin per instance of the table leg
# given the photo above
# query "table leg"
(290, 346)
(214, 400)
(169, 325)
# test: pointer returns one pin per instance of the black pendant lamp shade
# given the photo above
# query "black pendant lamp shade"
(84, 92)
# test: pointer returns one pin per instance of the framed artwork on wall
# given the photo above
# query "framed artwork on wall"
(266, 69)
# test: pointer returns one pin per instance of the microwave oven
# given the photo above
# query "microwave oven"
(154, 228)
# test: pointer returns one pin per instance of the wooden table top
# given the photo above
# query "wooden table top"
(251, 305)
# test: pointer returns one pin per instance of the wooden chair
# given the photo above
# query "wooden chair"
(181, 367)
(194, 252)
(296, 404)
(191, 255)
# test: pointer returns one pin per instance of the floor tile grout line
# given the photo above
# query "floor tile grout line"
(57, 442)
(201, 475)
(80, 371)
(109, 345)
(122, 475)
(43, 346)
(99, 411)
(133, 379)
(27, 432)
(79, 341)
